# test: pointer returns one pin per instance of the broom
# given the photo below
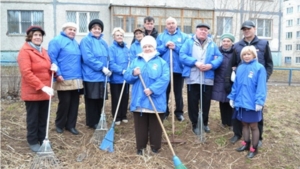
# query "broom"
(177, 163)
(107, 143)
(102, 125)
(45, 157)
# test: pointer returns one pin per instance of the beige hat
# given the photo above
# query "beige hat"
(69, 24)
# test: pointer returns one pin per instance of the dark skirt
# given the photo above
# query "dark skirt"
(94, 90)
(246, 115)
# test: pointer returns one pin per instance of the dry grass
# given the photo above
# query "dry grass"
(281, 145)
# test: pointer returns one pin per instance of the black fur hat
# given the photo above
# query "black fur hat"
(96, 21)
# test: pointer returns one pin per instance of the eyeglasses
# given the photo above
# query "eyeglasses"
(119, 35)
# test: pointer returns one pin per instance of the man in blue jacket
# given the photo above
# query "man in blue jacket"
(172, 39)
(264, 57)
(200, 57)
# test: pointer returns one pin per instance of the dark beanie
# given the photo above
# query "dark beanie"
(96, 21)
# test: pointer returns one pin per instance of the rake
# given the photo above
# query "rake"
(45, 157)
(107, 143)
(177, 162)
(101, 129)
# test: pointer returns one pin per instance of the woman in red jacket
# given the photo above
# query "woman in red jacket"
(34, 64)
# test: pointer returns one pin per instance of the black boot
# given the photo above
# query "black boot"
(253, 151)
(245, 146)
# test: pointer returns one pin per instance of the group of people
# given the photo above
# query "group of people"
(86, 68)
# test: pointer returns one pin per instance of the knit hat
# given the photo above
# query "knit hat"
(35, 28)
(229, 36)
(96, 21)
(69, 24)
(148, 40)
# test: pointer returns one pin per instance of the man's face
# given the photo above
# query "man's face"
(249, 32)
(149, 25)
(171, 26)
(201, 33)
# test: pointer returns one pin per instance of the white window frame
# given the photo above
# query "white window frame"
(224, 25)
(83, 27)
(289, 10)
(288, 60)
(298, 8)
(36, 18)
(289, 35)
(289, 22)
(298, 34)
(263, 27)
(298, 47)
(298, 21)
(288, 47)
(297, 59)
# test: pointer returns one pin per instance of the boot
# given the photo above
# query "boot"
(245, 146)
(253, 151)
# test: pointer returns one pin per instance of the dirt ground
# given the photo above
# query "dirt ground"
(281, 144)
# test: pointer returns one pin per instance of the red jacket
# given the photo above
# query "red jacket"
(35, 73)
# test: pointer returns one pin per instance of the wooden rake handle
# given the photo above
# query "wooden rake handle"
(156, 113)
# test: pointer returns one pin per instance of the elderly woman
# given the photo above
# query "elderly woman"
(95, 60)
(220, 92)
(156, 74)
(135, 47)
(64, 52)
(119, 55)
(34, 64)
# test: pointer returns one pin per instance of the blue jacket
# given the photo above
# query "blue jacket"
(156, 75)
(178, 38)
(119, 57)
(250, 86)
(65, 53)
(94, 58)
(135, 49)
(213, 57)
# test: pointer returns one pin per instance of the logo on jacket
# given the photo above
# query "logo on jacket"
(250, 74)
(179, 39)
(154, 67)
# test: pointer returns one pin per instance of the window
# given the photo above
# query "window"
(298, 21)
(289, 35)
(19, 21)
(288, 47)
(297, 59)
(129, 18)
(298, 34)
(224, 25)
(287, 60)
(82, 19)
(289, 10)
(297, 46)
(298, 8)
(263, 27)
(289, 22)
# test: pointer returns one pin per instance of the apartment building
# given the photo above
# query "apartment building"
(223, 16)
(291, 33)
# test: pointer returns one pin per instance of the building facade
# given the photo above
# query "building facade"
(291, 33)
(223, 16)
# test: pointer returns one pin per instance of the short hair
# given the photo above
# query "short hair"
(250, 49)
(149, 19)
(171, 19)
(30, 35)
(118, 29)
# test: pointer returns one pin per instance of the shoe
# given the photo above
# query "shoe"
(139, 152)
(117, 123)
(125, 121)
(59, 130)
(34, 147)
(154, 150)
(245, 146)
(252, 152)
(73, 131)
(180, 118)
(234, 139)
(95, 126)
(196, 131)
(206, 129)
(259, 143)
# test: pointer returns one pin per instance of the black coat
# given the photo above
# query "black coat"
(220, 89)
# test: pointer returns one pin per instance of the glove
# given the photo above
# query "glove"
(106, 71)
(231, 103)
(232, 77)
(258, 107)
(53, 67)
(48, 90)
(123, 72)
